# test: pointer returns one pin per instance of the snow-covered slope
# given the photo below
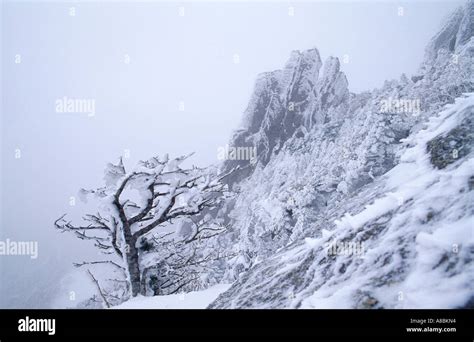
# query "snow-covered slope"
(414, 226)
(342, 167)
(190, 300)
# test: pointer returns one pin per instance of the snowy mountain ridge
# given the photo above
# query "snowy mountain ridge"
(338, 167)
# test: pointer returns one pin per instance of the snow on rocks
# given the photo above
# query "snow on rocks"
(416, 226)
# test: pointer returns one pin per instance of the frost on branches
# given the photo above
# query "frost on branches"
(153, 223)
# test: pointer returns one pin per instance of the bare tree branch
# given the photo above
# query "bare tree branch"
(101, 293)
(76, 264)
(162, 186)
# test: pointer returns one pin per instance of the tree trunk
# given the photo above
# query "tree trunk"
(143, 281)
(133, 267)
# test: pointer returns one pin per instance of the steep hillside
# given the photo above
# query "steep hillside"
(386, 173)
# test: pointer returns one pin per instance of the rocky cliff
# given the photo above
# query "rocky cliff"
(357, 200)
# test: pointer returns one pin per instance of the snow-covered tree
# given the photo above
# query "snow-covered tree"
(133, 204)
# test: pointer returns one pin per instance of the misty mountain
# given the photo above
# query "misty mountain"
(356, 200)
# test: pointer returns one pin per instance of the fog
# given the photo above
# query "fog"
(164, 78)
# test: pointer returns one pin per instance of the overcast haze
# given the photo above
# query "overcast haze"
(162, 83)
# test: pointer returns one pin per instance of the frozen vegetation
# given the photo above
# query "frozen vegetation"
(352, 200)
(364, 170)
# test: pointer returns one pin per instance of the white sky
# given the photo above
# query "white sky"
(173, 58)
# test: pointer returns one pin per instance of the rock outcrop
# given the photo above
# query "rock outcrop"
(354, 169)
